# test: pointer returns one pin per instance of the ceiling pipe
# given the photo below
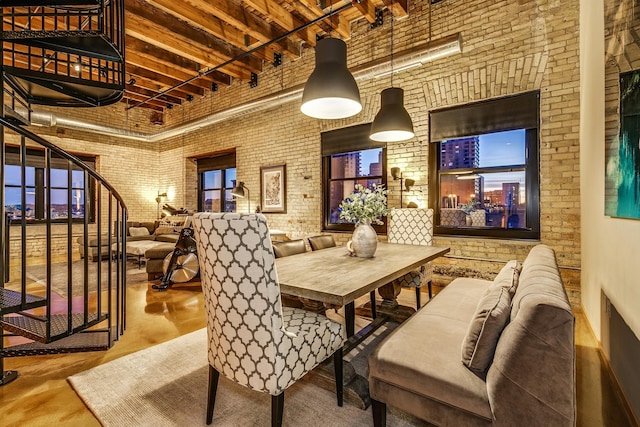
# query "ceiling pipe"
(405, 60)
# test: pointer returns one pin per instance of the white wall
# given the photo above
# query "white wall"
(610, 246)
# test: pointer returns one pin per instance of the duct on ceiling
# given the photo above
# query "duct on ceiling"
(405, 60)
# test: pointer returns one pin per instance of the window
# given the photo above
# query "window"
(349, 157)
(216, 179)
(484, 168)
(36, 188)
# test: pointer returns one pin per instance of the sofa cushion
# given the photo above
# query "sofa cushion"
(159, 251)
(533, 370)
(489, 320)
(422, 356)
(508, 277)
(139, 231)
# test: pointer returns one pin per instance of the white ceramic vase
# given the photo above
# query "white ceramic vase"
(364, 241)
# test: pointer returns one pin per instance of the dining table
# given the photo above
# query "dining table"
(332, 278)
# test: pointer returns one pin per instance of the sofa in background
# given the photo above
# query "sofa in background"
(136, 231)
(455, 362)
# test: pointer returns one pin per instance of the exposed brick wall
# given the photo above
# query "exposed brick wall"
(509, 47)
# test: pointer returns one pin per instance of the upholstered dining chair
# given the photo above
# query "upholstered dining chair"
(325, 241)
(289, 247)
(413, 226)
(253, 340)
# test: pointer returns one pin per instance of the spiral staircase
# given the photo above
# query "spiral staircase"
(64, 53)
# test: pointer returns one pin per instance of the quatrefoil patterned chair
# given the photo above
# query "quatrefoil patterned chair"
(253, 340)
(413, 226)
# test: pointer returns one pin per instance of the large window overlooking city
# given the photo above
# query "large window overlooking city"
(216, 179)
(487, 184)
(36, 188)
(349, 157)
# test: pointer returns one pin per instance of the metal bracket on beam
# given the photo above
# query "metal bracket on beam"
(379, 18)
(277, 59)
(254, 80)
(189, 97)
(214, 87)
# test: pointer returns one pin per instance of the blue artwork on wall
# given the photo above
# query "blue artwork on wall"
(623, 164)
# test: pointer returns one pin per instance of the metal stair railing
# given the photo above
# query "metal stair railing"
(98, 302)
(71, 42)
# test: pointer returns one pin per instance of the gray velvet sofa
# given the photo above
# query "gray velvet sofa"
(530, 379)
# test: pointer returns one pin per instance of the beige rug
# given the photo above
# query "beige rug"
(166, 385)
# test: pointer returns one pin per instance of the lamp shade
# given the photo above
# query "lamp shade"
(331, 91)
(392, 123)
(238, 190)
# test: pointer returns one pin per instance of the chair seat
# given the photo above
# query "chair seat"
(313, 338)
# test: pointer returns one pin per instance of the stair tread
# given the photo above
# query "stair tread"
(36, 329)
(11, 301)
(82, 342)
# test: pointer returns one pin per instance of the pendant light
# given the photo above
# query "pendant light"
(331, 92)
(392, 123)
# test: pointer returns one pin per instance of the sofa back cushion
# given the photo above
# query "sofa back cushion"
(532, 376)
(508, 277)
(490, 318)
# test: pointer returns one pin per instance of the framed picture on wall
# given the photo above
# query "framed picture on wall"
(273, 189)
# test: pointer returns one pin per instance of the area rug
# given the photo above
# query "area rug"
(59, 276)
(166, 385)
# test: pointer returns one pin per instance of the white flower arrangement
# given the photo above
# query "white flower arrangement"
(364, 205)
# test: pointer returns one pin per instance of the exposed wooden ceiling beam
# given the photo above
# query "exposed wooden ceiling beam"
(161, 29)
(235, 15)
(282, 17)
(165, 80)
(147, 50)
(169, 99)
(310, 10)
(173, 72)
(211, 24)
(399, 8)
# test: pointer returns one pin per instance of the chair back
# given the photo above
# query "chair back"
(321, 242)
(289, 247)
(241, 298)
(412, 226)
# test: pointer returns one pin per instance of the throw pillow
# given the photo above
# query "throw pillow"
(164, 230)
(490, 318)
(508, 277)
(138, 231)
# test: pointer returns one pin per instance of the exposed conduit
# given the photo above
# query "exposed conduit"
(407, 59)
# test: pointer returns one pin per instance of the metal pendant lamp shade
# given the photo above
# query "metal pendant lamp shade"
(392, 123)
(331, 91)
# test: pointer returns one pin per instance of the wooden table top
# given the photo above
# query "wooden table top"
(333, 276)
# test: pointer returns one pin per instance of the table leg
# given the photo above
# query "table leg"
(389, 305)
(350, 318)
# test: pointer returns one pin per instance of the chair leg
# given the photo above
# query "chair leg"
(277, 408)
(379, 410)
(214, 375)
(372, 296)
(337, 366)
(418, 297)
(429, 288)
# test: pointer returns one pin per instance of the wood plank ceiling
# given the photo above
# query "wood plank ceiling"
(171, 44)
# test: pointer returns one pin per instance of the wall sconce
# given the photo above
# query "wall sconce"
(405, 183)
(159, 198)
(242, 191)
